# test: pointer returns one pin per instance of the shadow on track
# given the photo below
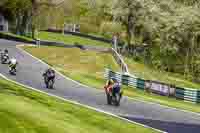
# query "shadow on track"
(170, 127)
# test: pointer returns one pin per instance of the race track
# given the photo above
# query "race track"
(167, 119)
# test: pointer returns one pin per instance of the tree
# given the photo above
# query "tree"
(37, 6)
(17, 11)
(127, 12)
(24, 13)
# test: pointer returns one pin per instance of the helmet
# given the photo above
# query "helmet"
(6, 51)
(114, 79)
(13, 60)
(50, 69)
(111, 80)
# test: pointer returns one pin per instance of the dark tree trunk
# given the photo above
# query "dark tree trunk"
(129, 25)
(18, 24)
(24, 23)
(33, 14)
(129, 35)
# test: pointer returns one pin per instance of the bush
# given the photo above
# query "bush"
(109, 28)
(88, 28)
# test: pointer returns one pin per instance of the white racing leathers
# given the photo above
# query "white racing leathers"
(13, 63)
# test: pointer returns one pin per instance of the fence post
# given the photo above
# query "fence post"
(64, 28)
(38, 42)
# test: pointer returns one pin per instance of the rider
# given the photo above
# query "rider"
(12, 64)
(109, 85)
(5, 53)
(116, 88)
(49, 74)
(112, 86)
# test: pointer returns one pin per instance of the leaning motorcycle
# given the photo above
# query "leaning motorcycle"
(4, 59)
(12, 70)
(48, 82)
(113, 99)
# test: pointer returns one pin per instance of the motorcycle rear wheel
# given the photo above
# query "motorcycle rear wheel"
(50, 84)
(116, 99)
(109, 99)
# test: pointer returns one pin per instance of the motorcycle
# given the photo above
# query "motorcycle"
(4, 59)
(48, 82)
(12, 70)
(113, 99)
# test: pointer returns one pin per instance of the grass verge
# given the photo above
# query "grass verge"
(23, 110)
(71, 39)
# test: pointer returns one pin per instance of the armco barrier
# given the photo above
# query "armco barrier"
(188, 94)
(140, 83)
(185, 94)
(122, 78)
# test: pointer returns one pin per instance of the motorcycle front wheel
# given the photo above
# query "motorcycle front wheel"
(50, 84)
(12, 72)
(116, 99)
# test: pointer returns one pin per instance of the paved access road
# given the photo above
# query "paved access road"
(30, 73)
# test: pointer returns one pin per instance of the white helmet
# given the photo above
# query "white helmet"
(13, 60)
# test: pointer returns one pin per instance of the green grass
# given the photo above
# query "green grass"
(89, 72)
(108, 36)
(71, 39)
(25, 111)
(142, 71)
(86, 67)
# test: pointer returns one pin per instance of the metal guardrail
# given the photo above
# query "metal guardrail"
(186, 94)
(120, 61)
(124, 79)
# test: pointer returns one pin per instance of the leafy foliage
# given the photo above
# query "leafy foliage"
(170, 28)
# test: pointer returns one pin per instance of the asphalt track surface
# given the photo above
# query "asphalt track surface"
(29, 72)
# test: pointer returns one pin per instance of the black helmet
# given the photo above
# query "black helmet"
(6, 51)
(113, 79)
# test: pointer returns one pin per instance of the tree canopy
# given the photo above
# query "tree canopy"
(171, 28)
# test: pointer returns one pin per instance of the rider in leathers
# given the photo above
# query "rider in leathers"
(49, 74)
